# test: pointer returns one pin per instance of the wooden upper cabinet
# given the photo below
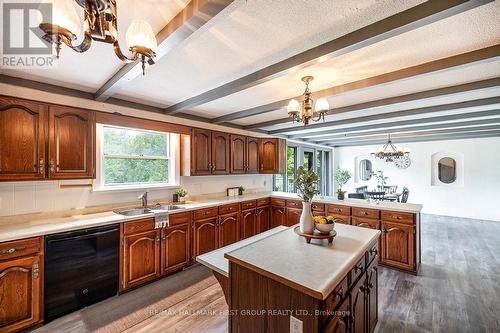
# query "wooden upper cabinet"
(20, 293)
(220, 153)
(201, 152)
(22, 139)
(272, 155)
(238, 154)
(71, 143)
(252, 151)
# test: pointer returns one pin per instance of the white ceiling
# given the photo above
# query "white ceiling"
(251, 34)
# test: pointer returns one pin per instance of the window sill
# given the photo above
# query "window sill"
(125, 188)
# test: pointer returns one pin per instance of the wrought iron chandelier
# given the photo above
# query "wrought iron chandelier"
(303, 112)
(100, 24)
(389, 152)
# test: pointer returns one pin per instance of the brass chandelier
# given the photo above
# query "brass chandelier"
(303, 112)
(100, 24)
(389, 152)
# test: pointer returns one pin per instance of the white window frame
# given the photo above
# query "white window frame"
(173, 157)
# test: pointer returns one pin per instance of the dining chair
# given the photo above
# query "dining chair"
(361, 189)
(404, 196)
(356, 195)
(376, 195)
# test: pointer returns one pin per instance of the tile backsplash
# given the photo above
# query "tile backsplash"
(45, 196)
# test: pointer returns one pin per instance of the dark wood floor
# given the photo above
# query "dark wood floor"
(458, 290)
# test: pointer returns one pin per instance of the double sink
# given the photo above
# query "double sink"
(149, 210)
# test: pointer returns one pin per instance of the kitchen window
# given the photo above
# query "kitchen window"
(134, 158)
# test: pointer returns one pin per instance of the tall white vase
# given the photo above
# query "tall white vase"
(306, 224)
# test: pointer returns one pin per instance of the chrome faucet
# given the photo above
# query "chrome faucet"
(144, 198)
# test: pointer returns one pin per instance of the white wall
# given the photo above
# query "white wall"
(44, 196)
(476, 196)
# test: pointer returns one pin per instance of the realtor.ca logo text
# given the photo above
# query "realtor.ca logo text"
(22, 44)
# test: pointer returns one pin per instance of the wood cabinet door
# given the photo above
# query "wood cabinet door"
(372, 296)
(262, 219)
(247, 225)
(278, 216)
(292, 216)
(340, 321)
(205, 238)
(358, 309)
(398, 246)
(252, 155)
(269, 154)
(220, 153)
(201, 152)
(238, 154)
(20, 293)
(229, 231)
(141, 255)
(23, 127)
(71, 143)
(175, 248)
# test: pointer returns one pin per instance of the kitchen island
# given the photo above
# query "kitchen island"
(324, 287)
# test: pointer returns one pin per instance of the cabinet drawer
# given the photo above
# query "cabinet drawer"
(248, 204)
(371, 253)
(294, 203)
(344, 219)
(318, 207)
(407, 218)
(263, 202)
(138, 226)
(365, 222)
(20, 248)
(179, 218)
(278, 202)
(358, 270)
(226, 209)
(338, 209)
(365, 212)
(337, 296)
(205, 213)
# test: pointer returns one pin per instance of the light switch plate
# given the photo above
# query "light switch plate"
(295, 325)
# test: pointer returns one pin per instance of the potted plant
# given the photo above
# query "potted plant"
(306, 182)
(341, 177)
(179, 195)
(241, 190)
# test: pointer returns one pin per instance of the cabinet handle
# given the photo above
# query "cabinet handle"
(373, 251)
(13, 250)
(36, 271)
(396, 217)
(157, 239)
(41, 166)
(52, 166)
(357, 268)
(364, 213)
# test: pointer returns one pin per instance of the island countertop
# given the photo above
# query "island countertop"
(314, 269)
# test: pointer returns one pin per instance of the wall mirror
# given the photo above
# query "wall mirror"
(365, 169)
(447, 170)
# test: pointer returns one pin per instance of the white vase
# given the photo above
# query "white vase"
(306, 224)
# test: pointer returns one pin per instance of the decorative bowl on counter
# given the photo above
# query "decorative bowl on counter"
(324, 224)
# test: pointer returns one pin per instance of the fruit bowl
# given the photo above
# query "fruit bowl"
(324, 224)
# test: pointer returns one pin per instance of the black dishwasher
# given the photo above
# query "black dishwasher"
(81, 268)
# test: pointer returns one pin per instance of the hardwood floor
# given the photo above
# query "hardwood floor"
(458, 290)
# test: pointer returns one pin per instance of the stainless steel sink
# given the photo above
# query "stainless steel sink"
(134, 211)
(167, 207)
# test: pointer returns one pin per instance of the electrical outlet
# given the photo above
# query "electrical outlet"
(295, 325)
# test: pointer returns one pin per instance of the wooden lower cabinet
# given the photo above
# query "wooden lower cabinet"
(358, 308)
(175, 249)
(205, 236)
(372, 296)
(262, 219)
(229, 231)
(292, 216)
(248, 227)
(398, 245)
(340, 321)
(278, 216)
(141, 258)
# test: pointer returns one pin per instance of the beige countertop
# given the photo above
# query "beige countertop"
(24, 226)
(216, 261)
(316, 268)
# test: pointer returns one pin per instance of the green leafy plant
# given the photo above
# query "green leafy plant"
(181, 192)
(342, 177)
(381, 179)
(306, 182)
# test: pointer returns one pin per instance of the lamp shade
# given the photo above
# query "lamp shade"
(64, 15)
(321, 105)
(140, 33)
(293, 106)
